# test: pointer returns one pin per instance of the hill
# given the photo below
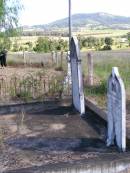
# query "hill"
(91, 21)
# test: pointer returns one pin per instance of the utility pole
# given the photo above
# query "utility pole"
(70, 24)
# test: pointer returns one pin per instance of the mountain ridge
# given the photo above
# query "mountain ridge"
(99, 20)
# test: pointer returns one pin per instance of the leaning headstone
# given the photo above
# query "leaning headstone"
(90, 69)
(76, 76)
(116, 104)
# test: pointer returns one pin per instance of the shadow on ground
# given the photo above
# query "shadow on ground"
(55, 137)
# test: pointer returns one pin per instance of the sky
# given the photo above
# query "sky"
(45, 11)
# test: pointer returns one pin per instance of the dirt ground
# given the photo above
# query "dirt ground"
(35, 142)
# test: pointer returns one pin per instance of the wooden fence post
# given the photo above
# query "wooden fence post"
(57, 60)
(24, 58)
(61, 63)
(53, 56)
(90, 69)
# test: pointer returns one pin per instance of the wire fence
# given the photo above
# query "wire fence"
(37, 59)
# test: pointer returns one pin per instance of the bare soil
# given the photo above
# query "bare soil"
(33, 142)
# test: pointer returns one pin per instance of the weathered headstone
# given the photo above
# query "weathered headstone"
(90, 69)
(76, 75)
(116, 104)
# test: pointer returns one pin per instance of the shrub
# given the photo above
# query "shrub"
(107, 47)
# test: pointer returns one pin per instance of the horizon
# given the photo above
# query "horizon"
(36, 12)
(76, 14)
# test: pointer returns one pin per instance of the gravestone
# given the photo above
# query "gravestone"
(116, 104)
(76, 76)
(90, 69)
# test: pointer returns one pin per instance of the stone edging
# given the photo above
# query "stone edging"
(98, 110)
(33, 106)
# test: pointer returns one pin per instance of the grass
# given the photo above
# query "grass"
(103, 33)
(102, 69)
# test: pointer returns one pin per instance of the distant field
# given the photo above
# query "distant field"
(33, 39)
(102, 33)
(86, 33)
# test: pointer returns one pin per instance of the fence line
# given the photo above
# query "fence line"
(28, 58)
(32, 87)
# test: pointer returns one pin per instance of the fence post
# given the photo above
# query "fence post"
(24, 58)
(57, 62)
(116, 107)
(90, 69)
(68, 66)
(61, 63)
(53, 57)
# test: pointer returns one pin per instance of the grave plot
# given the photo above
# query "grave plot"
(55, 138)
(48, 137)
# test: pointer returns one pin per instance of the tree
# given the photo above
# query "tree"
(61, 45)
(29, 44)
(42, 45)
(108, 41)
(8, 20)
(90, 42)
(9, 14)
(47, 45)
(128, 37)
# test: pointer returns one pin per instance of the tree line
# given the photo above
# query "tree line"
(96, 43)
(47, 44)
